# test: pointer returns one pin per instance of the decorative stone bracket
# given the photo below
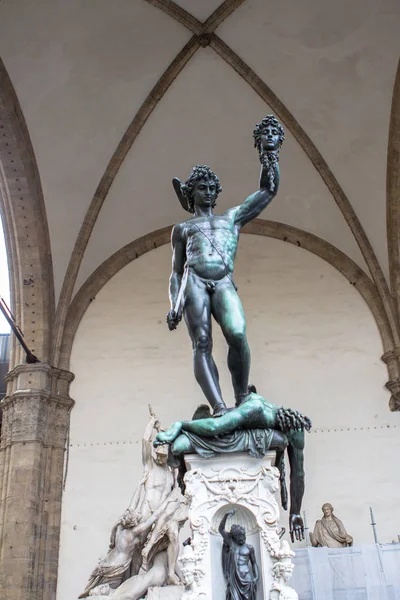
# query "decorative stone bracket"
(392, 360)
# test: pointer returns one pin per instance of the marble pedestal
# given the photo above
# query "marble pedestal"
(247, 484)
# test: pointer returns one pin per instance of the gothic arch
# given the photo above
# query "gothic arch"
(25, 228)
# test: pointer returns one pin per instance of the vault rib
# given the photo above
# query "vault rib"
(106, 181)
(393, 194)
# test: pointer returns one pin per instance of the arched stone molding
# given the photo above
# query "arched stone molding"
(99, 278)
(306, 241)
(335, 257)
(393, 194)
(25, 226)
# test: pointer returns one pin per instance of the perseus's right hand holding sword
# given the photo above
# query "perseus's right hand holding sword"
(175, 315)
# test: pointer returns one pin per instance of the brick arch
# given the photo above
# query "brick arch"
(25, 228)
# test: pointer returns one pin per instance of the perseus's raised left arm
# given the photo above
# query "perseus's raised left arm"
(253, 206)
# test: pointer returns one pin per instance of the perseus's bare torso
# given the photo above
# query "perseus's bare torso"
(211, 245)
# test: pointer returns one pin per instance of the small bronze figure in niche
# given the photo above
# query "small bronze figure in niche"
(238, 562)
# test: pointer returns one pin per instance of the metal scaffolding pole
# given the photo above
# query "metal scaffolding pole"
(30, 358)
(373, 526)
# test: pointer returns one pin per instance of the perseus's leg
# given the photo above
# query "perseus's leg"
(228, 312)
(197, 313)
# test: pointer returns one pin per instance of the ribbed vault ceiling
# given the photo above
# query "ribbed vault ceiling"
(84, 72)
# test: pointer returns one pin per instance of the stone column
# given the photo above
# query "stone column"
(36, 413)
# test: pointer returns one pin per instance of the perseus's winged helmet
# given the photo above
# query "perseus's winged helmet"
(179, 192)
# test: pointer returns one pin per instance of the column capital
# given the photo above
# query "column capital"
(392, 359)
(37, 405)
(391, 355)
(393, 385)
(38, 376)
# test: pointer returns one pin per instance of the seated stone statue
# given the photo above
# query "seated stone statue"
(255, 426)
(329, 531)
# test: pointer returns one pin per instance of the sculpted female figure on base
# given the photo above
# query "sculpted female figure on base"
(329, 531)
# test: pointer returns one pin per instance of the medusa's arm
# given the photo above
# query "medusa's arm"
(296, 460)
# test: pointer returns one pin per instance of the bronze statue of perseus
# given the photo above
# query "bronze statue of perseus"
(204, 251)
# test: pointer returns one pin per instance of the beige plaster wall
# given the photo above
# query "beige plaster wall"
(315, 347)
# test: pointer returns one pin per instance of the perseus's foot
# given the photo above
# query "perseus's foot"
(242, 398)
(169, 436)
(219, 410)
